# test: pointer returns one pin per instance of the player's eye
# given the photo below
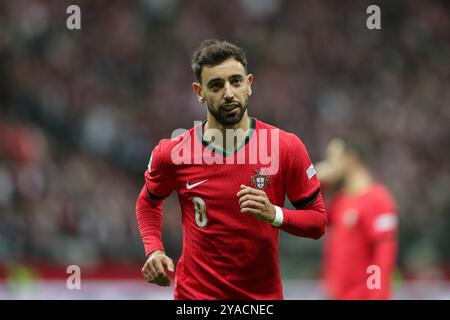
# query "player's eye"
(236, 82)
(216, 86)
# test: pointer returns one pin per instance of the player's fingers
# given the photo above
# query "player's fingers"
(168, 263)
(152, 271)
(146, 274)
(255, 191)
(252, 204)
(251, 211)
(148, 277)
(159, 268)
(145, 268)
(251, 197)
(250, 190)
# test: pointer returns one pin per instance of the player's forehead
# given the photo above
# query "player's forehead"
(224, 70)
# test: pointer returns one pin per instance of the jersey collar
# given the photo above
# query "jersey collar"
(220, 151)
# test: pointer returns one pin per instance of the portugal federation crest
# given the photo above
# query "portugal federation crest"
(260, 180)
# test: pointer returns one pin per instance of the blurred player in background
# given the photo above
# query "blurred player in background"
(363, 225)
(231, 213)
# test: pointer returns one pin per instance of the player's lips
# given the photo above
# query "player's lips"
(230, 106)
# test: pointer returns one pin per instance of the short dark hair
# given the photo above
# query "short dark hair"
(212, 52)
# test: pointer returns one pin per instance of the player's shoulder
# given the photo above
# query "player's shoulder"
(380, 195)
(165, 146)
(381, 191)
(287, 139)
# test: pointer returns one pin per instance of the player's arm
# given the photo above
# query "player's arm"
(309, 219)
(149, 219)
(384, 256)
(380, 224)
(158, 185)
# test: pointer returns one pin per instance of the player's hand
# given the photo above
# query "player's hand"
(255, 201)
(154, 269)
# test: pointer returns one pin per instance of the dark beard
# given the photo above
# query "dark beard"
(224, 119)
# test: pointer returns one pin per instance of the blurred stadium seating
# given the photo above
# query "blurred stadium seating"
(80, 112)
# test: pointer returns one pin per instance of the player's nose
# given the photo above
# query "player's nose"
(228, 92)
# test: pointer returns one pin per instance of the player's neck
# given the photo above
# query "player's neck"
(212, 123)
(358, 181)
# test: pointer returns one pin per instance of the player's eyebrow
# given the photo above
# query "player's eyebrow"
(234, 76)
(239, 76)
(210, 82)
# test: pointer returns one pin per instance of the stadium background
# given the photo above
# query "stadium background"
(81, 110)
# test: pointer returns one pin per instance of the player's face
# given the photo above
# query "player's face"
(225, 88)
(337, 160)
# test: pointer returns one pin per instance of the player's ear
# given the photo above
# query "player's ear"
(249, 83)
(198, 91)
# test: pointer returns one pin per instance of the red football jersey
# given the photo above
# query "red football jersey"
(228, 254)
(362, 233)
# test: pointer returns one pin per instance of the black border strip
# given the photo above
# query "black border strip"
(304, 202)
(155, 197)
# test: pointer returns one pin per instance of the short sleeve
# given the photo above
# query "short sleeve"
(302, 184)
(159, 178)
(381, 219)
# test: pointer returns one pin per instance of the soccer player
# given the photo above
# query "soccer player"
(360, 246)
(232, 212)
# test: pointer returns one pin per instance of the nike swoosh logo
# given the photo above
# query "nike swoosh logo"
(190, 186)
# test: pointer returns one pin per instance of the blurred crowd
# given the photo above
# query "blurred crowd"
(81, 110)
